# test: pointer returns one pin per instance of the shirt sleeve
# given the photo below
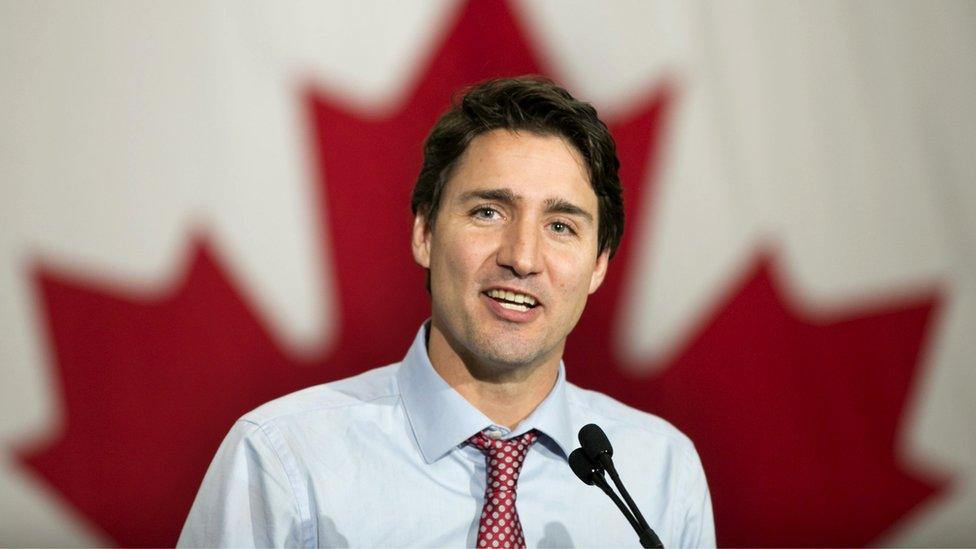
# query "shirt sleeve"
(246, 499)
(699, 525)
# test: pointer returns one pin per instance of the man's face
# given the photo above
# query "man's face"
(513, 251)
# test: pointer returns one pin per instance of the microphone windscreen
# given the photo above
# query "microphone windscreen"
(582, 466)
(594, 441)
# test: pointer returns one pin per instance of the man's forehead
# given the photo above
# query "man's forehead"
(517, 142)
(520, 166)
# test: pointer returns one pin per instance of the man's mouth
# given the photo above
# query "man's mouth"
(512, 300)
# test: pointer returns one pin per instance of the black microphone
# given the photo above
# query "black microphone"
(597, 448)
(592, 474)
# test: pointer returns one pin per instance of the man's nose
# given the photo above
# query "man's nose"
(521, 248)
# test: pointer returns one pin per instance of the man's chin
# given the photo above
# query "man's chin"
(506, 356)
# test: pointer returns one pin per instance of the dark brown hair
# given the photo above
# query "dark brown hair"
(533, 104)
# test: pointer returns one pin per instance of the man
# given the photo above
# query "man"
(518, 210)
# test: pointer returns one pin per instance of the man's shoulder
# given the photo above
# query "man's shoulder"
(368, 388)
(621, 421)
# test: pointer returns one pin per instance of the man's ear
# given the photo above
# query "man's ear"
(599, 270)
(420, 241)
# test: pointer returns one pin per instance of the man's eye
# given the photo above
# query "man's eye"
(486, 213)
(562, 228)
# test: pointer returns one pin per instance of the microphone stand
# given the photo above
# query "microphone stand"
(647, 536)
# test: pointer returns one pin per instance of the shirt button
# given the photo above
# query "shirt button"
(494, 434)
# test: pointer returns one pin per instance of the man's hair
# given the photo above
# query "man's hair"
(533, 104)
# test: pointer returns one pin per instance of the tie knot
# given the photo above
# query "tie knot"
(518, 445)
(504, 458)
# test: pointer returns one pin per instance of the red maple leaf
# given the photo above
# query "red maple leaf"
(796, 420)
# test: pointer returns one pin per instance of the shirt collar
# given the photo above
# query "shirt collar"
(442, 419)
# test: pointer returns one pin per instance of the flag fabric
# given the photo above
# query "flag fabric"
(205, 206)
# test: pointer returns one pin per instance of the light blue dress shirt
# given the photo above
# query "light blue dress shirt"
(380, 460)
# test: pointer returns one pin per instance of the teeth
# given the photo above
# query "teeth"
(514, 307)
(512, 296)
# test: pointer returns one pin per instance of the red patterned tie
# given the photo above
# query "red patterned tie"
(500, 526)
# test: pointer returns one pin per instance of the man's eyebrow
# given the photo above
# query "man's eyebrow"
(498, 195)
(559, 205)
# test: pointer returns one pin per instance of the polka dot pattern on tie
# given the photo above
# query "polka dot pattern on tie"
(500, 526)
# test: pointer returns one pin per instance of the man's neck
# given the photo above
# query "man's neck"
(507, 398)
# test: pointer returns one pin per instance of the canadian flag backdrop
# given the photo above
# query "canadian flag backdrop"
(205, 206)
